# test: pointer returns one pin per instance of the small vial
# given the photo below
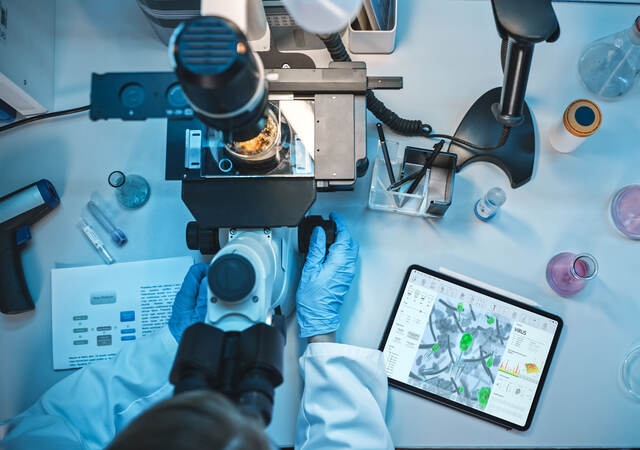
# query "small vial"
(95, 241)
(132, 191)
(488, 206)
(580, 120)
(117, 235)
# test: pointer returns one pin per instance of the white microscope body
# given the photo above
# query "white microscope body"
(269, 257)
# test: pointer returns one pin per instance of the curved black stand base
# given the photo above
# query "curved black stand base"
(515, 157)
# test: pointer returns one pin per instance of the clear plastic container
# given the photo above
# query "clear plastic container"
(609, 66)
(432, 196)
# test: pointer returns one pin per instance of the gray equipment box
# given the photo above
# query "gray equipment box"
(27, 39)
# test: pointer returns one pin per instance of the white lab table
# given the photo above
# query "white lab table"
(448, 54)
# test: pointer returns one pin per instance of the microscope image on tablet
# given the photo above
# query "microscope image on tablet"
(461, 352)
(469, 348)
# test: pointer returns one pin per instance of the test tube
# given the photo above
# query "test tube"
(95, 241)
(117, 235)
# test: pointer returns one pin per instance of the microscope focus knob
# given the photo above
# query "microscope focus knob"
(305, 229)
(231, 277)
(204, 239)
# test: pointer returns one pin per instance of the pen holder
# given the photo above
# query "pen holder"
(432, 196)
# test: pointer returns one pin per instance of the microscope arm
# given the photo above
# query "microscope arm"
(521, 24)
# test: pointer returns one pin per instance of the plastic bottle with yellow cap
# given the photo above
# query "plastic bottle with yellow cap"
(580, 120)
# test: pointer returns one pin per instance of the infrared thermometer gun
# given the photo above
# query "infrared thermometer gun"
(18, 211)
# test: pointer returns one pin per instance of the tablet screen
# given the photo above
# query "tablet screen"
(468, 347)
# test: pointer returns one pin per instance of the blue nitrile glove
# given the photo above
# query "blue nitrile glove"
(190, 305)
(325, 280)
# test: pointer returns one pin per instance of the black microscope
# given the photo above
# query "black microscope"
(501, 115)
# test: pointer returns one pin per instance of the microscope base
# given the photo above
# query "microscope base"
(479, 126)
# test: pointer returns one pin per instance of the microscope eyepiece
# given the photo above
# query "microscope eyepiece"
(222, 78)
(231, 277)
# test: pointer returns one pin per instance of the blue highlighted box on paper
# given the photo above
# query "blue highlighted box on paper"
(128, 331)
(127, 316)
(127, 338)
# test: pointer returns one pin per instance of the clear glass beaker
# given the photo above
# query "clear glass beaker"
(132, 191)
(568, 273)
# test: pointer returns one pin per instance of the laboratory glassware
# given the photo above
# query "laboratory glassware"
(95, 241)
(568, 273)
(625, 211)
(580, 120)
(117, 235)
(487, 206)
(630, 373)
(132, 191)
(609, 66)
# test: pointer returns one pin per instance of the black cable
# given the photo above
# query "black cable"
(44, 116)
(334, 44)
(406, 127)
(504, 135)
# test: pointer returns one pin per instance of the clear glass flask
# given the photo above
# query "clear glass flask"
(487, 206)
(132, 191)
(609, 66)
(568, 273)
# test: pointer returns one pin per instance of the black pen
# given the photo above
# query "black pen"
(404, 180)
(419, 173)
(427, 165)
(385, 153)
(422, 172)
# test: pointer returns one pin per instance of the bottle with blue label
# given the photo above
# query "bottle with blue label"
(487, 206)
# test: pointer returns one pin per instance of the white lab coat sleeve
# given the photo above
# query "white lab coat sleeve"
(87, 409)
(344, 399)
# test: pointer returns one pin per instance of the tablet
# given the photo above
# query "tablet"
(469, 348)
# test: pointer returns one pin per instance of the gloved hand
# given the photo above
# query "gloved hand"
(325, 280)
(190, 305)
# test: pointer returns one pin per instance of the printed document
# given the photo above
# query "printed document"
(98, 309)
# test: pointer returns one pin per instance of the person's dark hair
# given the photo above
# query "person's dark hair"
(193, 420)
